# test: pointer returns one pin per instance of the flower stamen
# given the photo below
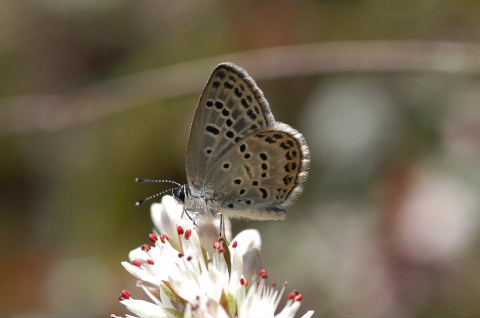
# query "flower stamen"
(263, 273)
(153, 237)
(125, 294)
(180, 230)
(137, 263)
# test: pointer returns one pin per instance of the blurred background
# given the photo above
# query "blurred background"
(387, 94)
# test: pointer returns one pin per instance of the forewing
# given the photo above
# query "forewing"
(263, 174)
(231, 107)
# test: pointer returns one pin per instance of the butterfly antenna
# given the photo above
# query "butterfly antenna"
(142, 180)
(153, 196)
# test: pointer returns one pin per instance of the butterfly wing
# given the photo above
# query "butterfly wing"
(231, 107)
(262, 174)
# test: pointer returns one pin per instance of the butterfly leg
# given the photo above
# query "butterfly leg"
(222, 225)
(194, 219)
(185, 212)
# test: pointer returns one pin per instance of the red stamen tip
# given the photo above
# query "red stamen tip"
(153, 237)
(125, 294)
(292, 295)
(234, 244)
(216, 245)
(164, 238)
(273, 285)
(188, 234)
(146, 247)
(189, 258)
(263, 273)
(180, 230)
(180, 255)
(243, 281)
(137, 263)
(150, 261)
(299, 297)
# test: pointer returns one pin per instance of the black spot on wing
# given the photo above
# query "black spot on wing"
(212, 129)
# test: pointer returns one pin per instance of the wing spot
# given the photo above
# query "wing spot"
(257, 110)
(230, 205)
(270, 140)
(218, 104)
(242, 191)
(229, 122)
(284, 146)
(263, 156)
(233, 79)
(209, 103)
(251, 114)
(213, 130)
(287, 180)
(221, 74)
(248, 202)
(225, 112)
(244, 103)
(247, 156)
(288, 156)
(287, 167)
(264, 193)
(249, 98)
(242, 147)
(208, 151)
(294, 154)
(216, 84)
(226, 165)
(290, 143)
(237, 92)
(264, 175)
(264, 166)
(255, 183)
(228, 85)
(294, 165)
(277, 136)
(253, 127)
(229, 134)
(237, 181)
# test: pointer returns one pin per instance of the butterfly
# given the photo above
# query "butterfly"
(240, 162)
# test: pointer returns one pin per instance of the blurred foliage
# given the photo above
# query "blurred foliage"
(388, 222)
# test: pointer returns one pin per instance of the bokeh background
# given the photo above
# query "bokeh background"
(387, 94)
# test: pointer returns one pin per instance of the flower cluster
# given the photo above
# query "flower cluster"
(189, 272)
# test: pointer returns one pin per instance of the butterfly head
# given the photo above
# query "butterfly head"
(181, 193)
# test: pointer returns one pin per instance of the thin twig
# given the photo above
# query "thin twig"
(22, 114)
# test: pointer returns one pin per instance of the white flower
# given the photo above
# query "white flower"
(194, 273)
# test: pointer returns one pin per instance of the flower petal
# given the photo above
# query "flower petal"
(246, 240)
(141, 273)
(145, 309)
(308, 314)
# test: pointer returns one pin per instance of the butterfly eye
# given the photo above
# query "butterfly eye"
(180, 193)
